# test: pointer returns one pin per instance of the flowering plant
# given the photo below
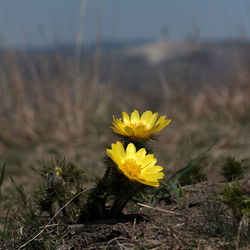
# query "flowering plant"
(130, 166)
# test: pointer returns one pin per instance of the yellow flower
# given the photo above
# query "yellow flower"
(137, 127)
(58, 171)
(137, 166)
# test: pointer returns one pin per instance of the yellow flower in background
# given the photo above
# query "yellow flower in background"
(137, 127)
(58, 171)
(137, 166)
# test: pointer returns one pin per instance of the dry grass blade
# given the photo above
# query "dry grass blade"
(120, 245)
(158, 209)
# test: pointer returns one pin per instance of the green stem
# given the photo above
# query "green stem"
(95, 207)
(117, 207)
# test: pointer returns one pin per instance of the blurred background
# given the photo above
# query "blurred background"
(67, 66)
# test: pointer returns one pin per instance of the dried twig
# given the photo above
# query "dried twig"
(158, 209)
(124, 239)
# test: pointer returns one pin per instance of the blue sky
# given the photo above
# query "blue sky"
(27, 23)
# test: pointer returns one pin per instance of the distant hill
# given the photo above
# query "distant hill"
(143, 64)
(192, 63)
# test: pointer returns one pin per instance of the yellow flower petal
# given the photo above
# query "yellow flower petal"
(151, 169)
(117, 130)
(150, 183)
(153, 177)
(140, 153)
(161, 119)
(128, 131)
(146, 160)
(162, 125)
(152, 120)
(117, 152)
(139, 130)
(130, 151)
(146, 116)
(126, 118)
(135, 117)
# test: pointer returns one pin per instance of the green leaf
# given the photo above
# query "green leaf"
(193, 163)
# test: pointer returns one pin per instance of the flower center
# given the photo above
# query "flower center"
(131, 168)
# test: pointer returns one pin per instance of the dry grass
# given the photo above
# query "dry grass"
(47, 109)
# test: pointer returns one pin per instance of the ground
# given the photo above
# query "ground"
(169, 224)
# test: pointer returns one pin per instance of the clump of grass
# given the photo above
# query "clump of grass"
(61, 182)
(233, 221)
(232, 168)
(227, 215)
(56, 199)
(216, 219)
(237, 200)
(236, 217)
